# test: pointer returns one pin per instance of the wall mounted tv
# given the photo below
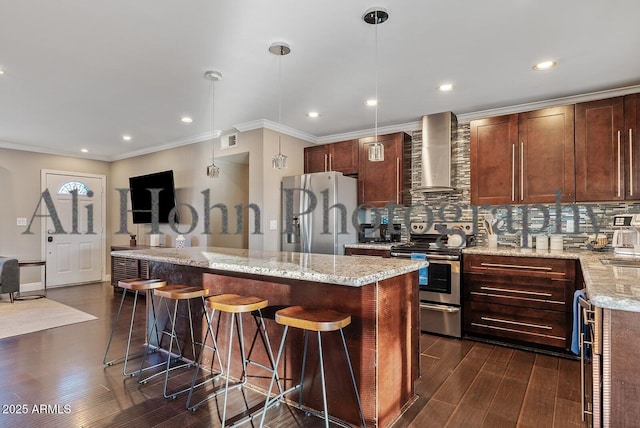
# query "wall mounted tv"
(141, 196)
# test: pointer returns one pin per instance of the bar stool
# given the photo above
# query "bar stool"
(176, 293)
(136, 285)
(318, 320)
(235, 305)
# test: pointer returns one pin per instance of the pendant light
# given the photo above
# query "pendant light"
(375, 16)
(212, 170)
(279, 160)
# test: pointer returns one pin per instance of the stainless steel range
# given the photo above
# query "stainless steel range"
(441, 245)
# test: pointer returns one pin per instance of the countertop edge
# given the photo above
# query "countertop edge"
(280, 270)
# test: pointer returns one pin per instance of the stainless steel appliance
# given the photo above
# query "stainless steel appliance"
(440, 296)
(627, 234)
(370, 232)
(305, 198)
(591, 367)
(438, 132)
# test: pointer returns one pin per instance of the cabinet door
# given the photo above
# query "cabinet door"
(493, 154)
(343, 157)
(381, 182)
(547, 160)
(316, 159)
(632, 145)
(599, 150)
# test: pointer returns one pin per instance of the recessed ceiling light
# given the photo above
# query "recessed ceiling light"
(1, 71)
(372, 102)
(445, 87)
(186, 119)
(313, 114)
(126, 137)
(84, 150)
(544, 65)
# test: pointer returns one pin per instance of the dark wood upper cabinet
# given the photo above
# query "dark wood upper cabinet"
(523, 158)
(316, 159)
(600, 150)
(632, 146)
(387, 181)
(546, 157)
(493, 153)
(341, 157)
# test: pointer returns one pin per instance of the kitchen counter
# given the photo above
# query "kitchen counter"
(607, 286)
(384, 246)
(323, 268)
(380, 295)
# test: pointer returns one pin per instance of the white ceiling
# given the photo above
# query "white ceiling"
(80, 74)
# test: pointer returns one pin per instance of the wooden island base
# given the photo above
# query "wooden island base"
(383, 338)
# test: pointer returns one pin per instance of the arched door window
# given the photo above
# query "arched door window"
(70, 186)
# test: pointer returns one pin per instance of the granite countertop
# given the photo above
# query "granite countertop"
(372, 245)
(341, 270)
(607, 286)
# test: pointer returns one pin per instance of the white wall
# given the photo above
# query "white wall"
(189, 168)
(19, 196)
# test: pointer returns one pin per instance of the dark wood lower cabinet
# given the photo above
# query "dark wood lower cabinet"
(367, 252)
(527, 300)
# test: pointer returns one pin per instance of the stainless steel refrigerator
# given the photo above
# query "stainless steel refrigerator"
(309, 223)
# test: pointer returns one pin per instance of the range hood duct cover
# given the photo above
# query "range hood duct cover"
(438, 131)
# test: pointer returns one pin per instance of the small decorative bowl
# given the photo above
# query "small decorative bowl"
(596, 242)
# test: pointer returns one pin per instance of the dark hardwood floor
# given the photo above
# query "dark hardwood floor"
(463, 383)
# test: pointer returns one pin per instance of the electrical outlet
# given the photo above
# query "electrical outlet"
(273, 225)
(21, 221)
(570, 226)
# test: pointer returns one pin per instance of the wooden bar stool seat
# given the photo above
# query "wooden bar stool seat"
(235, 305)
(135, 285)
(176, 293)
(318, 320)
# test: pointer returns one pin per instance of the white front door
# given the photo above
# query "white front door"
(74, 241)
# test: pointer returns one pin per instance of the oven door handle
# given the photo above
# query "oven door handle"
(441, 308)
(428, 256)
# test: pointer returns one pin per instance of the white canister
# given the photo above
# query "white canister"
(542, 242)
(557, 243)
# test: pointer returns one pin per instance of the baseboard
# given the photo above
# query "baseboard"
(32, 286)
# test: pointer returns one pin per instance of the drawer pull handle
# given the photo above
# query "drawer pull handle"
(517, 331)
(501, 265)
(533, 293)
(524, 324)
(527, 299)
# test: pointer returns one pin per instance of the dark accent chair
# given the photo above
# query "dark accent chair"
(9, 276)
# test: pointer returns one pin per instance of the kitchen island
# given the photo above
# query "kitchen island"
(381, 295)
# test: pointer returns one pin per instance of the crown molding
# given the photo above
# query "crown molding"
(49, 151)
(402, 127)
(277, 127)
(169, 145)
(573, 99)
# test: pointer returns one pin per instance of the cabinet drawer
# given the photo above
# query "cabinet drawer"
(528, 292)
(367, 252)
(520, 266)
(511, 322)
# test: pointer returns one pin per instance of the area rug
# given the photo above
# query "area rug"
(27, 316)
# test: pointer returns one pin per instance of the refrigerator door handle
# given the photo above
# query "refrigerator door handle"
(306, 223)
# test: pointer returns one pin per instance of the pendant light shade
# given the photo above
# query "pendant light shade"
(376, 16)
(279, 160)
(212, 170)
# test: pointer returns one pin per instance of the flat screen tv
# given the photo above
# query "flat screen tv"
(141, 196)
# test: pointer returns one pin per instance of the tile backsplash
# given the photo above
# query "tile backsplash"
(458, 202)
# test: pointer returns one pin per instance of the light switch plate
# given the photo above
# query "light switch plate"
(273, 225)
(21, 221)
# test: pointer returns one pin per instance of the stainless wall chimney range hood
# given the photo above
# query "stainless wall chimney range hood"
(438, 131)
